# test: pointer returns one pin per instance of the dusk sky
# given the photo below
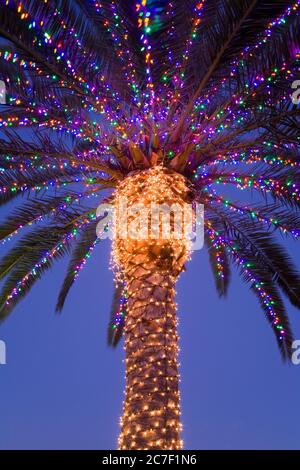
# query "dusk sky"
(161, 102)
(62, 387)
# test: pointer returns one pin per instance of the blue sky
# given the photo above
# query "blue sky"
(62, 387)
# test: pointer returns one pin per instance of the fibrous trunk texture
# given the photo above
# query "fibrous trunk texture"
(151, 408)
(150, 268)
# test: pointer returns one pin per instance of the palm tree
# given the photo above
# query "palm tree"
(158, 101)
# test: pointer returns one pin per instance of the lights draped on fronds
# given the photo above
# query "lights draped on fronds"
(98, 90)
(118, 314)
(82, 251)
(170, 101)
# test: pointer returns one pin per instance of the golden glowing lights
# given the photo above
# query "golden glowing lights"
(150, 268)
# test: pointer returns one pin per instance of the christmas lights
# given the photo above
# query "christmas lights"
(150, 269)
(158, 103)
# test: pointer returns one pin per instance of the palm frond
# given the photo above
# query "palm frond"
(117, 316)
(26, 263)
(262, 285)
(82, 250)
(219, 262)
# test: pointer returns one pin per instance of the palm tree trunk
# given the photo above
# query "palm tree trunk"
(151, 409)
(150, 268)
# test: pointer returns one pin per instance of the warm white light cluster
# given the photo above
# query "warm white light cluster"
(160, 187)
(151, 415)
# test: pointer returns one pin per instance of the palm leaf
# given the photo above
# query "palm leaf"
(220, 266)
(26, 263)
(81, 251)
(117, 316)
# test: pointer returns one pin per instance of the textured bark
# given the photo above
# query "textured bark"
(151, 415)
(151, 408)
